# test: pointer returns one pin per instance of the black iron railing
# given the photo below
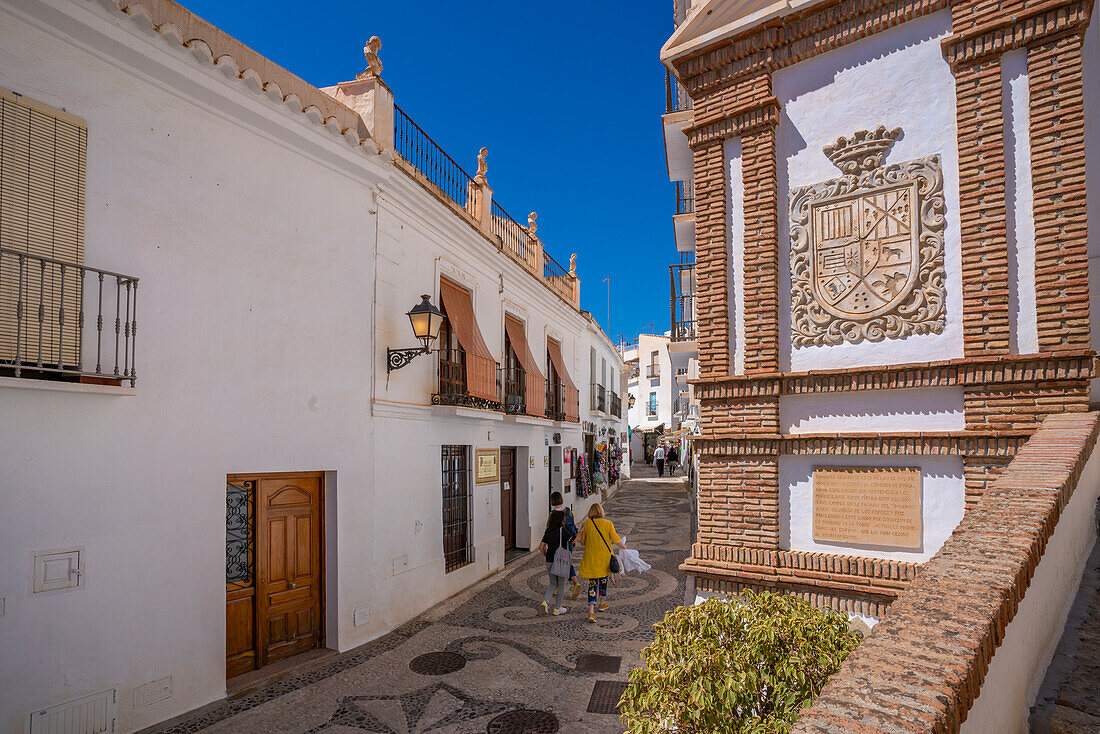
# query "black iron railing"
(555, 400)
(557, 277)
(652, 371)
(616, 405)
(599, 398)
(513, 236)
(685, 197)
(57, 318)
(514, 397)
(417, 147)
(453, 387)
(682, 302)
(676, 97)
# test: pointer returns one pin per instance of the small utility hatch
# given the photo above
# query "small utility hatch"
(95, 714)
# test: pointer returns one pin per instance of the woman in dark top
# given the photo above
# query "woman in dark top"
(556, 536)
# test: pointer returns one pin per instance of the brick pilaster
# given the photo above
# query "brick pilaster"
(739, 502)
(1058, 183)
(761, 272)
(712, 261)
(982, 209)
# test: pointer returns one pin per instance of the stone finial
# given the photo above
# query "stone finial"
(532, 224)
(374, 64)
(573, 264)
(482, 166)
(863, 151)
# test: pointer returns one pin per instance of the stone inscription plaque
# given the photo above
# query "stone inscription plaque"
(867, 505)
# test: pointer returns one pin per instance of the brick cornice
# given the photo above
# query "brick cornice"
(789, 40)
(1037, 23)
(736, 123)
(946, 443)
(1069, 366)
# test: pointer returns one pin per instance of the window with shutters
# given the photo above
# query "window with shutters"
(43, 157)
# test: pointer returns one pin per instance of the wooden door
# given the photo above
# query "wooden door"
(275, 608)
(508, 497)
(289, 566)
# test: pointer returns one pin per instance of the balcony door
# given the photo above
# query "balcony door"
(274, 568)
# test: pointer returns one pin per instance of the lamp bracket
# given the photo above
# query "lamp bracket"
(398, 358)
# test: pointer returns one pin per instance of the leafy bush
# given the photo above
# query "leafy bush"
(742, 665)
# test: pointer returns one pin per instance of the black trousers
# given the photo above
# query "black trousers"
(660, 467)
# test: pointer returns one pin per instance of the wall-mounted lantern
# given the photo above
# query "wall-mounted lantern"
(426, 321)
(630, 403)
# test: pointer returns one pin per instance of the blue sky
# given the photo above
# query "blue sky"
(567, 96)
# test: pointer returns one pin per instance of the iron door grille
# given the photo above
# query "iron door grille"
(457, 548)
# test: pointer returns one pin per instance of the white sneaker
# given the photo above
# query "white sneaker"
(543, 608)
(559, 610)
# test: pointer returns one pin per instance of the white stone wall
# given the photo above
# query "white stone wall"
(942, 492)
(897, 78)
(276, 264)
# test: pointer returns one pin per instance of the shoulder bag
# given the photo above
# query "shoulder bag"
(562, 558)
(616, 567)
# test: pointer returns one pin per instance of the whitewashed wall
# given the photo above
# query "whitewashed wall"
(942, 495)
(254, 354)
(908, 410)
(897, 78)
(1019, 665)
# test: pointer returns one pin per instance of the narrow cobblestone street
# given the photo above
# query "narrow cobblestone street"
(504, 658)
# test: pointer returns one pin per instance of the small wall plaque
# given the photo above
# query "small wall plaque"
(486, 466)
(867, 505)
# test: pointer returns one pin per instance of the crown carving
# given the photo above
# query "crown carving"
(863, 151)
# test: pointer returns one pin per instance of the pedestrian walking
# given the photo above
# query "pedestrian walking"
(659, 460)
(556, 538)
(599, 562)
(558, 503)
(672, 457)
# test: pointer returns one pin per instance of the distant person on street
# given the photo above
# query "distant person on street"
(672, 456)
(659, 460)
(556, 536)
(558, 503)
(597, 536)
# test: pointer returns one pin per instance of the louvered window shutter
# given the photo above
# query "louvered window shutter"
(43, 155)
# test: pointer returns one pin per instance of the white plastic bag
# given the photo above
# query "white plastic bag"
(632, 561)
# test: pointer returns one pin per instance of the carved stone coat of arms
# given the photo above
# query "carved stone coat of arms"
(867, 247)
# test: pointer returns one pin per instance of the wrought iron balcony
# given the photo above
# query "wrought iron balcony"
(653, 371)
(685, 197)
(452, 383)
(616, 405)
(599, 398)
(682, 302)
(555, 400)
(53, 319)
(676, 97)
(515, 390)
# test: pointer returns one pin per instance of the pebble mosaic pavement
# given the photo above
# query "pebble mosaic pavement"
(515, 659)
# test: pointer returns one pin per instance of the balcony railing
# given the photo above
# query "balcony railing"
(682, 302)
(653, 371)
(599, 398)
(514, 381)
(555, 400)
(676, 97)
(685, 197)
(557, 277)
(452, 383)
(53, 319)
(616, 405)
(417, 147)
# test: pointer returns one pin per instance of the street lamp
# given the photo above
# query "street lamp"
(426, 320)
(630, 403)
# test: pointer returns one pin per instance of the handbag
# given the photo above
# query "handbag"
(616, 567)
(562, 559)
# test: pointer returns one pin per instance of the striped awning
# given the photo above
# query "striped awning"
(481, 368)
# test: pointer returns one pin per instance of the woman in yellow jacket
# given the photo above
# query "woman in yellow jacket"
(597, 536)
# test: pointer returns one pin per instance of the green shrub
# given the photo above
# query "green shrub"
(747, 664)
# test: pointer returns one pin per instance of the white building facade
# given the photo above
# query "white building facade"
(242, 478)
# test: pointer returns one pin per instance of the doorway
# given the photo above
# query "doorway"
(508, 497)
(274, 578)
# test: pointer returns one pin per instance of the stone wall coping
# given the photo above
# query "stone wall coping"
(922, 667)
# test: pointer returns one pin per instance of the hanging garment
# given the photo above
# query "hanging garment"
(631, 561)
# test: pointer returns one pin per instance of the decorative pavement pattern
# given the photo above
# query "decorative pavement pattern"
(520, 673)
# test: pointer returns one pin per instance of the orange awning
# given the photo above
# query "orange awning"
(535, 383)
(481, 368)
(572, 395)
